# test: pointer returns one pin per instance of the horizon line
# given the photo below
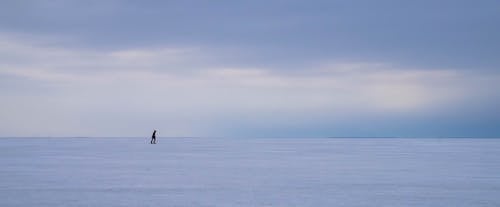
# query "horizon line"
(326, 137)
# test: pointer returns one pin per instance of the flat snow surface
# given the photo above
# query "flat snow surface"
(249, 172)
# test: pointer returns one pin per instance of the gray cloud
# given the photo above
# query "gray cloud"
(427, 34)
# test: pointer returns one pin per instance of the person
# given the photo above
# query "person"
(153, 137)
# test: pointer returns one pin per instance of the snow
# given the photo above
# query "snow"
(249, 172)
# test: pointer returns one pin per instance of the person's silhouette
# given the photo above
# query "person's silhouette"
(153, 137)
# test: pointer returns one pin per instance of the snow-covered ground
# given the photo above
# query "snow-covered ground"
(249, 172)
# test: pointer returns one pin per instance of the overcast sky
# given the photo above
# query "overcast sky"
(260, 68)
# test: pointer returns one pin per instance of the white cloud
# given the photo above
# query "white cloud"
(108, 92)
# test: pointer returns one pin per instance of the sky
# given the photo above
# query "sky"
(261, 68)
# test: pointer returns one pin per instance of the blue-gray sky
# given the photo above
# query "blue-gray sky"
(250, 68)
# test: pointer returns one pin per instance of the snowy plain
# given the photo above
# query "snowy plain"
(249, 172)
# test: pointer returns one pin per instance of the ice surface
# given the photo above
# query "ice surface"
(249, 172)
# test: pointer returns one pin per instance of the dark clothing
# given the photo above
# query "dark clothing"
(153, 138)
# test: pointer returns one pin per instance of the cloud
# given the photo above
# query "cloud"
(188, 91)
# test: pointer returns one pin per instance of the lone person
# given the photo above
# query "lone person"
(153, 137)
